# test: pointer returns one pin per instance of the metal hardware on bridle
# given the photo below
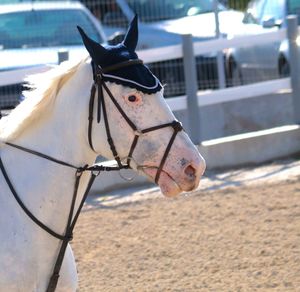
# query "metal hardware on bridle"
(100, 85)
(123, 173)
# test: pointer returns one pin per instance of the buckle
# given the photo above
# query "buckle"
(177, 126)
(138, 133)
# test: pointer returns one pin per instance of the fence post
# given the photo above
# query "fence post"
(63, 55)
(191, 85)
(220, 56)
(292, 33)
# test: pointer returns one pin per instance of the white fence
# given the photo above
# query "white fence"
(18, 76)
(210, 97)
(204, 98)
(175, 52)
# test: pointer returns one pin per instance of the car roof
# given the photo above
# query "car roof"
(28, 6)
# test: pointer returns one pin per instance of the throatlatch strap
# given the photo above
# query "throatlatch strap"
(91, 109)
(100, 100)
(91, 115)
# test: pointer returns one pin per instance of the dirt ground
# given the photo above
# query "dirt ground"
(233, 239)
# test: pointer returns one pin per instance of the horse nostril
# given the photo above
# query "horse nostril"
(190, 171)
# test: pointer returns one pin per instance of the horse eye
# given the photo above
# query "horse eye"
(132, 98)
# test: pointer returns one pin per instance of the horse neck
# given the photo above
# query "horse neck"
(61, 133)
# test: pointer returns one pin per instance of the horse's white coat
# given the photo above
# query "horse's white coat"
(28, 253)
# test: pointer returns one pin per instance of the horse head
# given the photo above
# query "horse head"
(141, 130)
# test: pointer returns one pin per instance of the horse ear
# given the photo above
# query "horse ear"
(131, 38)
(96, 51)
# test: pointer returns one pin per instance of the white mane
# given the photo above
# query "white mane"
(39, 100)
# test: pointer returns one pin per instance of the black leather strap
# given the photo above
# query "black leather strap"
(100, 84)
(69, 230)
(24, 208)
(122, 65)
(91, 115)
(67, 237)
(36, 153)
(177, 128)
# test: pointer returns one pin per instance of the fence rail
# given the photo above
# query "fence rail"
(239, 42)
(18, 76)
(168, 53)
(210, 97)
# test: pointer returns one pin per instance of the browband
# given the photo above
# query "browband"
(122, 65)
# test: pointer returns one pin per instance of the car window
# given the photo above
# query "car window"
(294, 7)
(108, 12)
(273, 9)
(156, 10)
(44, 28)
(254, 11)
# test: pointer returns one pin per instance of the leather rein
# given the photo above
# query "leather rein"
(99, 85)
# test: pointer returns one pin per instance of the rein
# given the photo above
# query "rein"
(99, 85)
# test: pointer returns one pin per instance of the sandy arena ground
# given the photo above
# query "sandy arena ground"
(239, 232)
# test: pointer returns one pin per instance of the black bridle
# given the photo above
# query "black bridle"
(98, 85)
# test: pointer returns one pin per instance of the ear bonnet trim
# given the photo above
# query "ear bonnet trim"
(149, 85)
(121, 80)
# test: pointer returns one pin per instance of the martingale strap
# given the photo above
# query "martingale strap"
(69, 230)
(68, 234)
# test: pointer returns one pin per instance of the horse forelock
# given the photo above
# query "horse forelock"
(40, 98)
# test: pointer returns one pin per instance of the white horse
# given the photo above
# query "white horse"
(53, 120)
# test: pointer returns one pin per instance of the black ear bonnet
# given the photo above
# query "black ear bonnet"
(137, 75)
